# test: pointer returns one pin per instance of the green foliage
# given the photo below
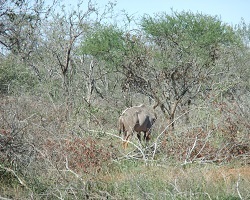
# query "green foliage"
(187, 36)
(186, 27)
(104, 43)
(115, 47)
(15, 76)
(243, 29)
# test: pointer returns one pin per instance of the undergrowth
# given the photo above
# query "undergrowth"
(42, 158)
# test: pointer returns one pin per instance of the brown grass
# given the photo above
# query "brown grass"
(210, 173)
(228, 174)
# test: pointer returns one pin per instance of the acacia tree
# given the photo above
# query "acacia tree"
(187, 49)
(124, 53)
(172, 61)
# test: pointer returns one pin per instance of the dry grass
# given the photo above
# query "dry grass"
(228, 174)
(193, 182)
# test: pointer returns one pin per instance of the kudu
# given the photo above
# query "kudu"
(138, 119)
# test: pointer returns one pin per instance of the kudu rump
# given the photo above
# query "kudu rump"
(138, 119)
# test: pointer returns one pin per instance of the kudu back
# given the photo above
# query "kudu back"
(136, 119)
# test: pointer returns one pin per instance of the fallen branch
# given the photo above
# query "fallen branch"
(237, 187)
(140, 149)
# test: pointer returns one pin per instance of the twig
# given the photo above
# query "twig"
(155, 144)
(175, 185)
(191, 150)
(140, 149)
(237, 187)
(206, 139)
(69, 170)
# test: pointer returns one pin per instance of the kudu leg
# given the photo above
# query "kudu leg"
(147, 136)
(139, 136)
(125, 142)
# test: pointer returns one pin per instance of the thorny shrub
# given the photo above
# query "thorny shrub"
(204, 145)
(80, 154)
(16, 151)
(224, 141)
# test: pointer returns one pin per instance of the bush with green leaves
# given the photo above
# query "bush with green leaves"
(16, 77)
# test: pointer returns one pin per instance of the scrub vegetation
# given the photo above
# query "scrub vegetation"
(66, 75)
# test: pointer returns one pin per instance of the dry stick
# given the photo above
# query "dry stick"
(71, 171)
(111, 134)
(155, 144)
(237, 187)
(175, 185)
(190, 151)
(143, 155)
(208, 195)
(206, 139)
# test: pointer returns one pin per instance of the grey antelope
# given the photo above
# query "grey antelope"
(138, 119)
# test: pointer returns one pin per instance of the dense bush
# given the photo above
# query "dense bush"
(15, 77)
(65, 78)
